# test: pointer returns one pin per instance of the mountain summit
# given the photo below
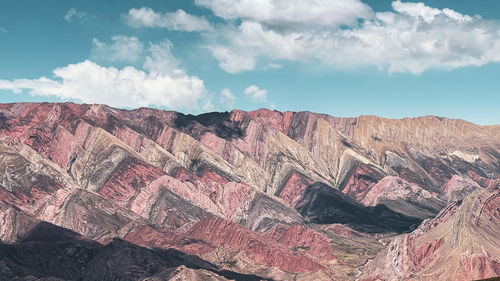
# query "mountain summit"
(146, 194)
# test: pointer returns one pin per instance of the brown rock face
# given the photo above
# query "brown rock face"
(259, 195)
(459, 244)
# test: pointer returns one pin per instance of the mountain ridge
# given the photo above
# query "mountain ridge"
(231, 187)
(431, 116)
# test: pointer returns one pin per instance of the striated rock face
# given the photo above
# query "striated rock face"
(263, 194)
(260, 248)
(460, 243)
(59, 254)
(322, 204)
(457, 188)
(403, 197)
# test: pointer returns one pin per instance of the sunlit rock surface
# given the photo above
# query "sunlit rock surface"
(247, 195)
(460, 243)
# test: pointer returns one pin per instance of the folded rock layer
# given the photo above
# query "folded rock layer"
(244, 195)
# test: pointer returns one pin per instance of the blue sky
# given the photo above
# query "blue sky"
(345, 57)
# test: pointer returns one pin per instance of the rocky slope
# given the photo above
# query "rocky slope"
(48, 251)
(265, 194)
(460, 243)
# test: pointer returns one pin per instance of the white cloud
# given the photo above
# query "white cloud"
(291, 12)
(231, 61)
(162, 60)
(179, 20)
(255, 94)
(74, 13)
(412, 38)
(3, 30)
(121, 49)
(227, 98)
(274, 65)
(128, 87)
(428, 14)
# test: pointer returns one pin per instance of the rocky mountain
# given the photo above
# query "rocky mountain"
(90, 192)
(460, 243)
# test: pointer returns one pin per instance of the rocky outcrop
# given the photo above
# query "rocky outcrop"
(403, 197)
(323, 204)
(258, 247)
(458, 244)
(52, 253)
(282, 195)
(457, 188)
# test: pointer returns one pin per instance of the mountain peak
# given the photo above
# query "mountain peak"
(245, 195)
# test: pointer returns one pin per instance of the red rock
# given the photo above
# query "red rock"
(484, 182)
(272, 118)
(403, 197)
(294, 188)
(128, 179)
(263, 250)
(166, 179)
(458, 187)
(426, 251)
(315, 244)
(361, 181)
(459, 244)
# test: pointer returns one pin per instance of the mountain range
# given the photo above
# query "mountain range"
(90, 192)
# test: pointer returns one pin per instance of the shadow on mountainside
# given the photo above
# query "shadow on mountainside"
(219, 123)
(326, 205)
(55, 253)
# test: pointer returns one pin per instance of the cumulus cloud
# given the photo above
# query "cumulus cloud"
(413, 37)
(256, 94)
(160, 83)
(121, 49)
(227, 98)
(274, 65)
(161, 59)
(291, 12)
(428, 14)
(74, 13)
(179, 20)
(233, 61)
(128, 87)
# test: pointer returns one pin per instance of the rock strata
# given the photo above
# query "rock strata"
(234, 195)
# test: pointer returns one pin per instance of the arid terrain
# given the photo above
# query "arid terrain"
(90, 192)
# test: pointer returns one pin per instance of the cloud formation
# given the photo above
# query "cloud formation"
(161, 83)
(121, 49)
(179, 20)
(256, 94)
(161, 60)
(233, 62)
(74, 13)
(412, 38)
(298, 13)
(274, 65)
(227, 98)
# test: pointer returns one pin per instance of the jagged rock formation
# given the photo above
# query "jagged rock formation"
(284, 196)
(323, 204)
(460, 243)
(55, 253)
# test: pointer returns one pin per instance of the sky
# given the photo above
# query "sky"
(341, 57)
